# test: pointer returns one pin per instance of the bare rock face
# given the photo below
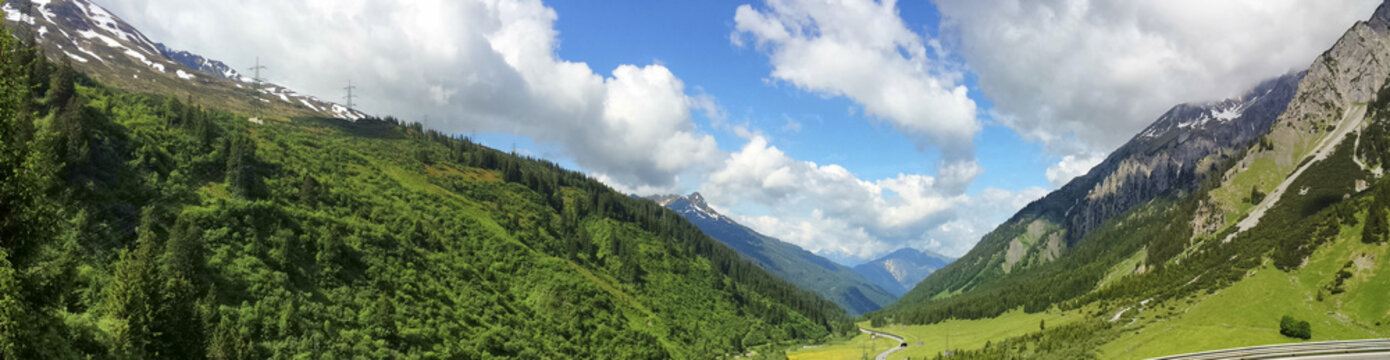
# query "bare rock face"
(1168, 157)
(1349, 73)
(1286, 115)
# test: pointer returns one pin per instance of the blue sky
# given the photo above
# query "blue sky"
(692, 39)
(979, 106)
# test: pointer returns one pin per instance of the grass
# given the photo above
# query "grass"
(1247, 313)
(930, 340)
(853, 348)
(1123, 268)
(1264, 173)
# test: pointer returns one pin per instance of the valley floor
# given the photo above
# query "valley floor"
(1244, 314)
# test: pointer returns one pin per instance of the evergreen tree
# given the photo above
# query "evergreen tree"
(1375, 229)
(23, 173)
(63, 87)
(242, 175)
(384, 318)
(11, 310)
(228, 343)
(134, 296)
(181, 265)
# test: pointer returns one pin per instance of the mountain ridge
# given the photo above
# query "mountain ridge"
(838, 283)
(1283, 179)
(901, 270)
(97, 42)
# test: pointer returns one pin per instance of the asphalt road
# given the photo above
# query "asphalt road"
(884, 355)
(1329, 350)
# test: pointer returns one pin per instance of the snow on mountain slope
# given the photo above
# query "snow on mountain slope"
(99, 43)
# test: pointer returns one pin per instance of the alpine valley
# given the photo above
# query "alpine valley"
(155, 203)
(1203, 232)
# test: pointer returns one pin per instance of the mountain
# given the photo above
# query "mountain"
(98, 43)
(787, 261)
(1204, 228)
(134, 225)
(1170, 158)
(900, 270)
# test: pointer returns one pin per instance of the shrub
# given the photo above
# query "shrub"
(1290, 327)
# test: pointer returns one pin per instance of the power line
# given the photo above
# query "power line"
(257, 69)
(349, 89)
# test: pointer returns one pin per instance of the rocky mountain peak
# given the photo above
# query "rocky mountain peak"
(697, 200)
(1381, 18)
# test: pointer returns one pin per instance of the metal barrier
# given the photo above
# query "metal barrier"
(1289, 350)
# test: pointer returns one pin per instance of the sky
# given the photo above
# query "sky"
(851, 128)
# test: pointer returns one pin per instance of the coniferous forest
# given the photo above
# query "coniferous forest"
(140, 226)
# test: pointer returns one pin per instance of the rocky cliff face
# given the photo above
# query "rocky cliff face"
(1170, 157)
(1328, 108)
(1287, 118)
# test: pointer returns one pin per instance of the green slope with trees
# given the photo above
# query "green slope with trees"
(135, 226)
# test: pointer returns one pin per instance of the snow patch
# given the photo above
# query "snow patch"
(92, 54)
(184, 75)
(310, 105)
(146, 61)
(342, 112)
(75, 57)
(1231, 113)
(13, 14)
(88, 34)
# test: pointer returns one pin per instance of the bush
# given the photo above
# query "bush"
(1295, 328)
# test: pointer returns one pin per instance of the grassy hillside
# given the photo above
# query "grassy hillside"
(135, 226)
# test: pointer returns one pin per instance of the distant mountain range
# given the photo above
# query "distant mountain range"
(806, 270)
(900, 270)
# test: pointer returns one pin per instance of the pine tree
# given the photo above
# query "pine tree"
(11, 311)
(24, 172)
(181, 265)
(134, 296)
(384, 318)
(1375, 228)
(228, 343)
(63, 87)
(242, 175)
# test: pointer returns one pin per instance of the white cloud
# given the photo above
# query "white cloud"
(1072, 166)
(470, 66)
(1083, 75)
(832, 212)
(862, 50)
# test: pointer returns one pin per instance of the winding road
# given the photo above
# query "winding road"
(884, 355)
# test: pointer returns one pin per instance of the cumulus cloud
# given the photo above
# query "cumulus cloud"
(830, 211)
(1083, 75)
(471, 66)
(1072, 166)
(862, 50)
